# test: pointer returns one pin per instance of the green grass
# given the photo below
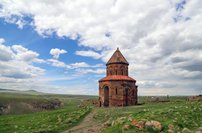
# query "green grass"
(179, 113)
(46, 122)
(17, 97)
(19, 103)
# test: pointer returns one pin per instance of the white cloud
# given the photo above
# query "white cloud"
(5, 52)
(57, 52)
(97, 71)
(16, 62)
(76, 65)
(19, 70)
(89, 53)
(79, 64)
(160, 41)
(2, 40)
(24, 54)
(57, 63)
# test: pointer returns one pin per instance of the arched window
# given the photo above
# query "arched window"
(110, 72)
(121, 71)
(116, 71)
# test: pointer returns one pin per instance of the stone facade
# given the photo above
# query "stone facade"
(117, 88)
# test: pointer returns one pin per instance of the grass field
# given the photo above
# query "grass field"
(50, 121)
(22, 121)
(178, 112)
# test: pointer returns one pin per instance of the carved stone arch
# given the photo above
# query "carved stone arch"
(103, 86)
(106, 90)
(110, 70)
(116, 90)
(116, 70)
(121, 67)
(122, 70)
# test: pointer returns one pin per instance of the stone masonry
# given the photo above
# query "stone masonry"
(117, 88)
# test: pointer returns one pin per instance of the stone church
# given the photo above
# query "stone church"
(117, 88)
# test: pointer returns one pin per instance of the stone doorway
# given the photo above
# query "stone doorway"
(106, 96)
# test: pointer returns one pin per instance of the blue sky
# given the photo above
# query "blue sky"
(28, 38)
(64, 50)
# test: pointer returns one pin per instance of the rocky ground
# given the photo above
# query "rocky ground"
(20, 107)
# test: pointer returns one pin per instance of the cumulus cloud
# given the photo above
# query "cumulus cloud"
(57, 63)
(161, 39)
(89, 53)
(97, 71)
(76, 66)
(80, 64)
(2, 40)
(57, 52)
(24, 54)
(16, 62)
(5, 52)
(18, 69)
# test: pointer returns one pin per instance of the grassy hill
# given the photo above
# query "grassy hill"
(31, 92)
(32, 101)
(176, 113)
(22, 117)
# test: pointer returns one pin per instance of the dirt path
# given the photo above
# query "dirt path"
(88, 125)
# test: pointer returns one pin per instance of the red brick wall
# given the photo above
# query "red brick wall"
(117, 93)
(117, 69)
(118, 87)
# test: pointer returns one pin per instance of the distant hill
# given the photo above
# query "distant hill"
(6, 89)
(34, 92)
(31, 92)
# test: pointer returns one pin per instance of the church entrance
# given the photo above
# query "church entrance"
(106, 96)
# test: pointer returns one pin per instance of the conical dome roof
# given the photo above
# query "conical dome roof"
(117, 58)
